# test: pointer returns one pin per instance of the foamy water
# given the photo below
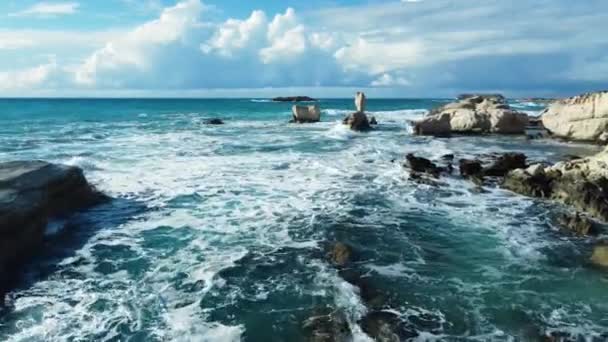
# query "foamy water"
(218, 233)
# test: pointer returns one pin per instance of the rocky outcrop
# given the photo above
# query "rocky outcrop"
(306, 114)
(578, 224)
(31, 193)
(422, 165)
(583, 117)
(340, 254)
(582, 183)
(505, 163)
(357, 121)
(473, 115)
(294, 99)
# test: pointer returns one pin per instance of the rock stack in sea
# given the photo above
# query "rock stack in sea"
(473, 114)
(306, 114)
(583, 117)
(358, 121)
(31, 194)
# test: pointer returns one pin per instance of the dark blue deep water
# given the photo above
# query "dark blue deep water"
(219, 233)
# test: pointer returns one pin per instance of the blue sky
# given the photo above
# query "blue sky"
(391, 48)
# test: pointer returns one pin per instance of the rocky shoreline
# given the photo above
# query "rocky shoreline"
(31, 194)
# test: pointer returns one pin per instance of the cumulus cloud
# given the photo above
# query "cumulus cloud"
(48, 9)
(28, 78)
(430, 48)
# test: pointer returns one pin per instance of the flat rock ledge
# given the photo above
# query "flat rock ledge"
(32, 193)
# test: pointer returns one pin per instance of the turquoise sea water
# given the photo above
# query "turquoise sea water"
(218, 233)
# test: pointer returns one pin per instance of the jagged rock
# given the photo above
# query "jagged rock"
(578, 224)
(31, 193)
(422, 165)
(294, 99)
(582, 183)
(357, 122)
(306, 114)
(506, 163)
(340, 254)
(473, 114)
(360, 102)
(214, 121)
(470, 168)
(384, 326)
(583, 117)
(328, 327)
(600, 255)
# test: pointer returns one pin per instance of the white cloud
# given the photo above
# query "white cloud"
(48, 9)
(14, 43)
(386, 80)
(237, 34)
(28, 78)
(136, 49)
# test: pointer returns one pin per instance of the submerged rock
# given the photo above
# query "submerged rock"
(340, 254)
(357, 121)
(470, 168)
(384, 326)
(328, 327)
(583, 117)
(31, 193)
(306, 114)
(473, 114)
(214, 121)
(372, 120)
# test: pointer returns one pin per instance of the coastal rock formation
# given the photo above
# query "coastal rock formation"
(294, 99)
(31, 193)
(306, 114)
(582, 183)
(327, 326)
(583, 117)
(422, 165)
(578, 224)
(357, 121)
(340, 254)
(505, 163)
(473, 115)
(360, 102)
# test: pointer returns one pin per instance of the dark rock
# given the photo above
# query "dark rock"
(505, 163)
(385, 326)
(470, 168)
(585, 195)
(478, 98)
(327, 326)
(357, 122)
(214, 121)
(31, 193)
(578, 224)
(340, 254)
(370, 295)
(372, 120)
(293, 99)
(423, 165)
(448, 157)
(525, 184)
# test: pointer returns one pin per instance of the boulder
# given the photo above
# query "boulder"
(473, 115)
(583, 117)
(357, 121)
(470, 168)
(360, 102)
(327, 326)
(600, 255)
(306, 114)
(386, 326)
(31, 193)
(294, 99)
(372, 120)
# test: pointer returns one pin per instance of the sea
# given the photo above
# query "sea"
(222, 232)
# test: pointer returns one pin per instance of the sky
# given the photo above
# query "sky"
(321, 48)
